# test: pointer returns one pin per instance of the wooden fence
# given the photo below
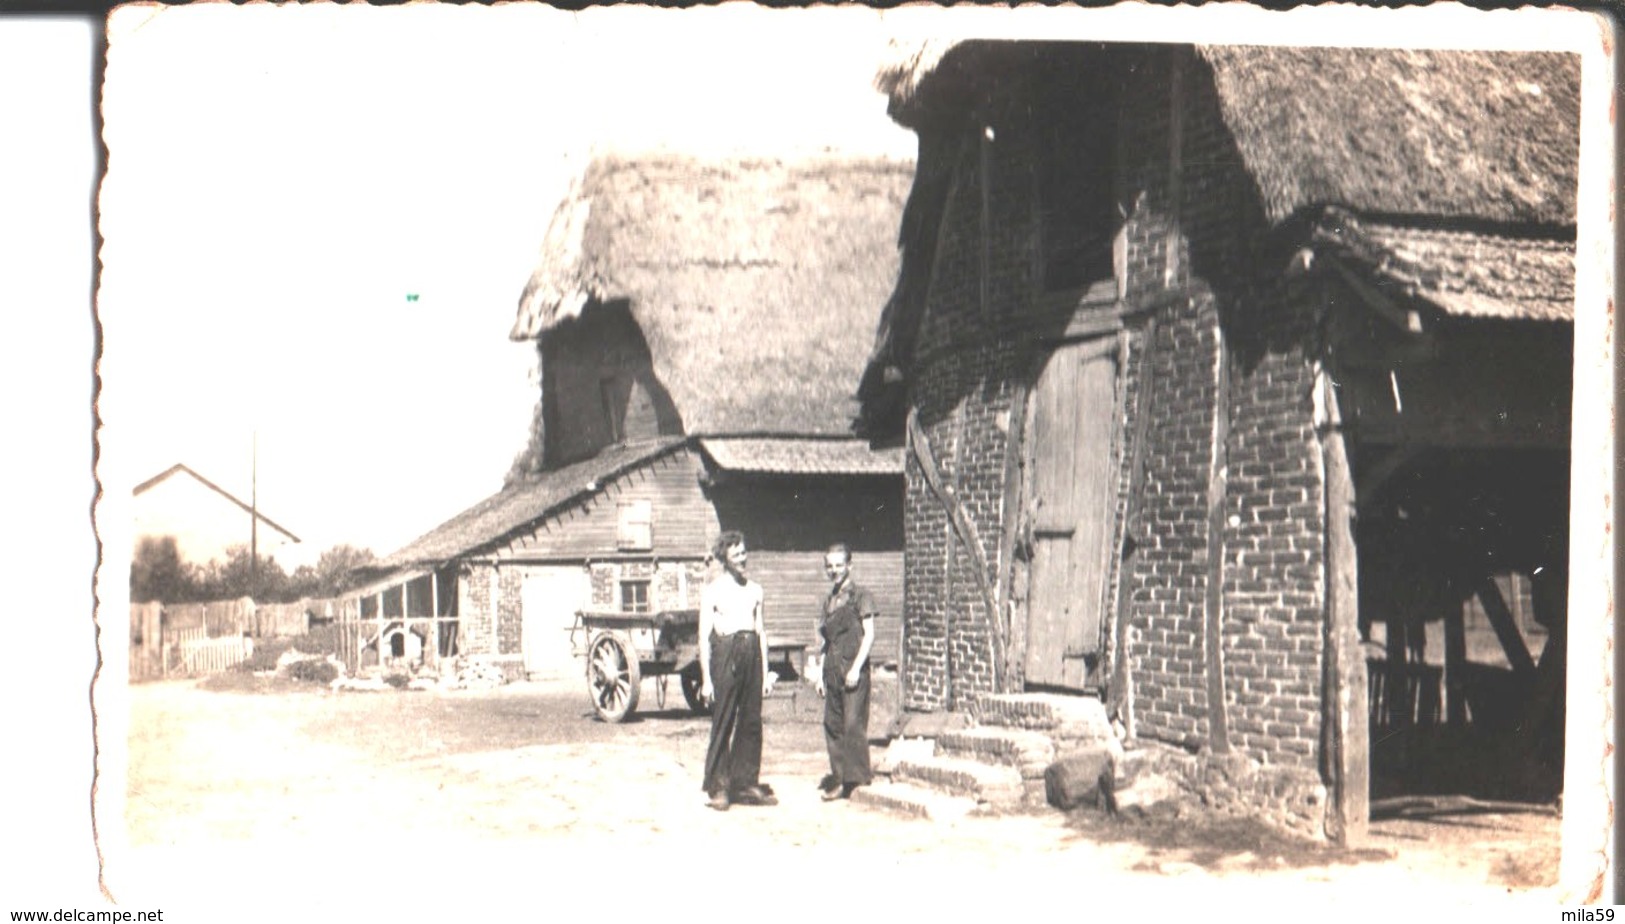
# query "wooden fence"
(194, 638)
(204, 655)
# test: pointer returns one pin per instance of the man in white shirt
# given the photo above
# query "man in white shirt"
(733, 672)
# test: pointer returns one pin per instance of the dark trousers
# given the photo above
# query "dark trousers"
(734, 760)
(846, 727)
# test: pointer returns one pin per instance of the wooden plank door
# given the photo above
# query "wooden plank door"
(1070, 495)
(548, 601)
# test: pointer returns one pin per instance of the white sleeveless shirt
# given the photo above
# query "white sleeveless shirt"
(733, 607)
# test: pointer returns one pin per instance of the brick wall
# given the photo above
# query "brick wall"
(476, 625)
(1193, 249)
(508, 611)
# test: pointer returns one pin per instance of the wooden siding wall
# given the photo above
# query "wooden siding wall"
(794, 586)
(794, 513)
(683, 524)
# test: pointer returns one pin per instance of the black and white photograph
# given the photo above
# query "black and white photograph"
(933, 461)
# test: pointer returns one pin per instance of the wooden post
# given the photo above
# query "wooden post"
(1505, 628)
(432, 646)
(1348, 760)
(1213, 619)
(1455, 660)
(1011, 510)
(1121, 693)
(381, 624)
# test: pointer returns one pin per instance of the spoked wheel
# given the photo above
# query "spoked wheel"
(613, 677)
(691, 689)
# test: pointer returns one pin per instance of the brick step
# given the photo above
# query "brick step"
(1065, 718)
(999, 787)
(1030, 752)
(914, 801)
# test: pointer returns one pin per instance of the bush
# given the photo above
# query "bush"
(265, 655)
(320, 640)
(313, 670)
(398, 681)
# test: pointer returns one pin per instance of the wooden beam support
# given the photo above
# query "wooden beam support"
(1346, 716)
(1402, 319)
(1375, 478)
(1506, 629)
(1218, 724)
(1455, 661)
(961, 526)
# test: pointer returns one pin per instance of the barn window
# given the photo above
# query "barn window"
(634, 526)
(635, 596)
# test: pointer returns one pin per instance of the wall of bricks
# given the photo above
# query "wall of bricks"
(1211, 281)
(476, 628)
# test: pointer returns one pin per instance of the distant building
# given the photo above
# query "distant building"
(702, 327)
(205, 519)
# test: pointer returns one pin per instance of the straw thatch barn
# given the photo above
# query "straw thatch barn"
(1221, 368)
(702, 326)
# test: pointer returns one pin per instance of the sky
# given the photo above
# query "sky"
(283, 180)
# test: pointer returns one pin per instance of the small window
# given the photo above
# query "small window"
(634, 526)
(635, 596)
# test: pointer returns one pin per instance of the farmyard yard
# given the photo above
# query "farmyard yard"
(247, 792)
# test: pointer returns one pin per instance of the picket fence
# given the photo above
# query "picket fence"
(202, 655)
(199, 638)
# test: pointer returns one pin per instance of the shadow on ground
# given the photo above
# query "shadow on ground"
(1213, 841)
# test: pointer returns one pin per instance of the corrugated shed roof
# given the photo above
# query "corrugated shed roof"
(757, 283)
(798, 456)
(522, 504)
(1478, 275)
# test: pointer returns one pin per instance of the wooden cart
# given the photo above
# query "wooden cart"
(624, 648)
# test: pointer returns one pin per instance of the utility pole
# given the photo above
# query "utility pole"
(254, 518)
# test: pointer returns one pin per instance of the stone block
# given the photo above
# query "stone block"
(1084, 778)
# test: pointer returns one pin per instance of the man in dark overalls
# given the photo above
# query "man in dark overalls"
(847, 632)
(733, 663)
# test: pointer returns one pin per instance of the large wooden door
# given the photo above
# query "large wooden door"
(1069, 491)
(548, 601)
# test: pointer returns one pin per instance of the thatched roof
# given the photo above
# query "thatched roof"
(1487, 135)
(757, 283)
(1458, 134)
(1425, 144)
(520, 505)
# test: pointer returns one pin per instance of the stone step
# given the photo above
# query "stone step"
(1065, 718)
(914, 801)
(1030, 752)
(997, 786)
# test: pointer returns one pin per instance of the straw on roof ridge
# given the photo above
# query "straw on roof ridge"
(1488, 135)
(756, 282)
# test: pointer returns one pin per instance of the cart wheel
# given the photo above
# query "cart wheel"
(691, 689)
(660, 692)
(613, 678)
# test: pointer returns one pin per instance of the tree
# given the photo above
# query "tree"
(158, 574)
(239, 576)
(334, 566)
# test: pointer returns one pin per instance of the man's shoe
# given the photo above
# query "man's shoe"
(844, 791)
(755, 795)
(829, 782)
(719, 802)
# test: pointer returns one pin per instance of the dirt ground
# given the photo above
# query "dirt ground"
(249, 793)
